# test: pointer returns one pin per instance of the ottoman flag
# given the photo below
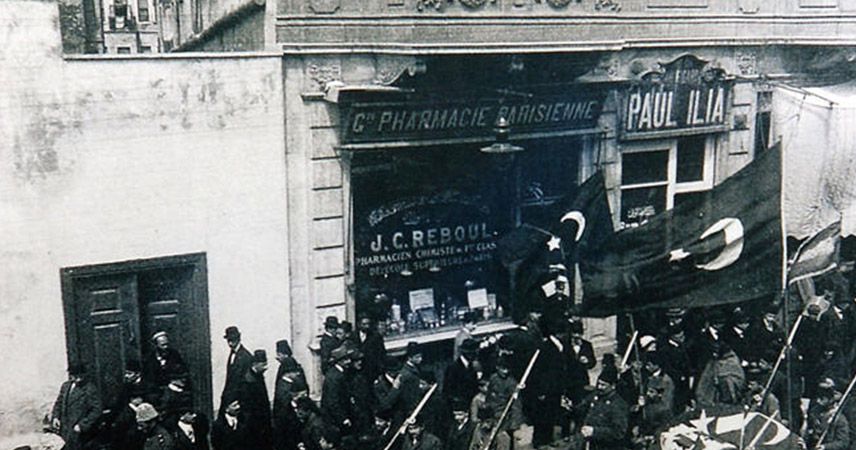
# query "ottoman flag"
(725, 247)
(727, 429)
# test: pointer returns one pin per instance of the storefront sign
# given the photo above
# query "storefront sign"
(470, 118)
(685, 98)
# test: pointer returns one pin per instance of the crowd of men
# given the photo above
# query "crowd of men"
(700, 360)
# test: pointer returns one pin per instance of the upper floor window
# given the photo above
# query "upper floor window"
(656, 176)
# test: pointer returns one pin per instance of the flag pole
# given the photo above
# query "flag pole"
(838, 407)
(782, 355)
(412, 417)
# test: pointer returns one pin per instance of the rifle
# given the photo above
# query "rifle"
(412, 417)
(520, 385)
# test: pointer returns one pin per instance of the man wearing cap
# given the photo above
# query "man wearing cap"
(387, 390)
(676, 362)
(657, 404)
(163, 363)
(417, 438)
(335, 394)
(190, 431)
(76, 409)
(237, 364)
(290, 384)
(736, 335)
(756, 378)
(230, 430)
(255, 403)
(123, 421)
(410, 379)
(461, 380)
(820, 413)
(362, 396)
(460, 436)
(605, 423)
(468, 326)
(328, 342)
(156, 437)
(370, 343)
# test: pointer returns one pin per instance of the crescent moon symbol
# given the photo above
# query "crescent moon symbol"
(781, 434)
(580, 219)
(733, 230)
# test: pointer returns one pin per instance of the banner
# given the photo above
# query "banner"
(729, 428)
(725, 247)
(817, 255)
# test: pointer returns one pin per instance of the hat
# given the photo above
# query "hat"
(652, 356)
(503, 361)
(146, 412)
(676, 312)
(648, 343)
(260, 356)
(290, 365)
(739, 315)
(772, 308)
(76, 369)
(576, 327)
(755, 371)
(339, 353)
(413, 349)
(391, 364)
(133, 365)
(469, 346)
(459, 404)
(283, 347)
(609, 374)
(232, 333)
(158, 335)
(331, 321)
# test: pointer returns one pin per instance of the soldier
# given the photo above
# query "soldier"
(461, 432)
(238, 363)
(387, 391)
(156, 437)
(657, 404)
(677, 364)
(462, 376)
(736, 336)
(605, 423)
(328, 342)
(545, 387)
(76, 409)
(290, 383)
(756, 377)
(335, 393)
(819, 416)
(311, 424)
(500, 389)
(419, 439)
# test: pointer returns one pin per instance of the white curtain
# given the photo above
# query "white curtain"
(817, 127)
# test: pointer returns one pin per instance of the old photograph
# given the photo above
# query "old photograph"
(428, 224)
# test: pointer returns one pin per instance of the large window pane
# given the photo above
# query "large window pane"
(691, 159)
(645, 167)
(637, 205)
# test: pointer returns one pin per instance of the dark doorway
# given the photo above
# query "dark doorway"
(111, 311)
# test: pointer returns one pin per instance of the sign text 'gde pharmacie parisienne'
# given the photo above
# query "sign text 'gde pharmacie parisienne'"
(436, 120)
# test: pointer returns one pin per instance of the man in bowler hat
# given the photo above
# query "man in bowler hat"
(236, 365)
(328, 342)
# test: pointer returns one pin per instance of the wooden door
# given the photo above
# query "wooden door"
(107, 329)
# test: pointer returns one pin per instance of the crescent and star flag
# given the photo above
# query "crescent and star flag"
(725, 247)
(725, 430)
(817, 255)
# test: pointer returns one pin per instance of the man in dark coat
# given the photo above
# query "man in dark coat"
(231, 431)
(311, 424)
(191, 431)
(461, 380)
(605, 423)
(765, 336)
(461, 432)
(254, 400)
(164, 364)
(580, 360)
(237, 364)
(77, 408)
(335, 392)
(819, 415)
(123, 423)
(411, 383)
(328, 342)
(363, 405)
(545, 387)
(737, 335)
(419, 439)
(370, 343)
(155, 435)
(676, 362)
(387, 391)
(290, 384)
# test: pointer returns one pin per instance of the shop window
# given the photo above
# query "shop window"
(657, 177)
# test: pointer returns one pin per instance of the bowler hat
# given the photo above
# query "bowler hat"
(146, 412)
(259, 356)
(413, 348)
(331, 321)
(469, 346)
(676, 312)
(232, 333)
(391, 364)
(609, 374)
(283, 347)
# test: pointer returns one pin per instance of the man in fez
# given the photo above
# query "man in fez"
(254, 400)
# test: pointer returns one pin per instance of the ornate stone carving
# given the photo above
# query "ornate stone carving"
(388, 69)
(607, 5)
(473, 4)
(559, 3)
(747, 63)
(323, 73)
(435, 4)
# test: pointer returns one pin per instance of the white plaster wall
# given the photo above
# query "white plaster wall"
(128, 158)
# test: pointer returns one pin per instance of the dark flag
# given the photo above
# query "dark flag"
(726, 247)
(546, 253)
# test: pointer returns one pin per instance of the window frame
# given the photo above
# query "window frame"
(673, 187)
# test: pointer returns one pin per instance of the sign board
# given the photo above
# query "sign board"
(685, 98)
(477, 298)
(421, 299)
(459, 119)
